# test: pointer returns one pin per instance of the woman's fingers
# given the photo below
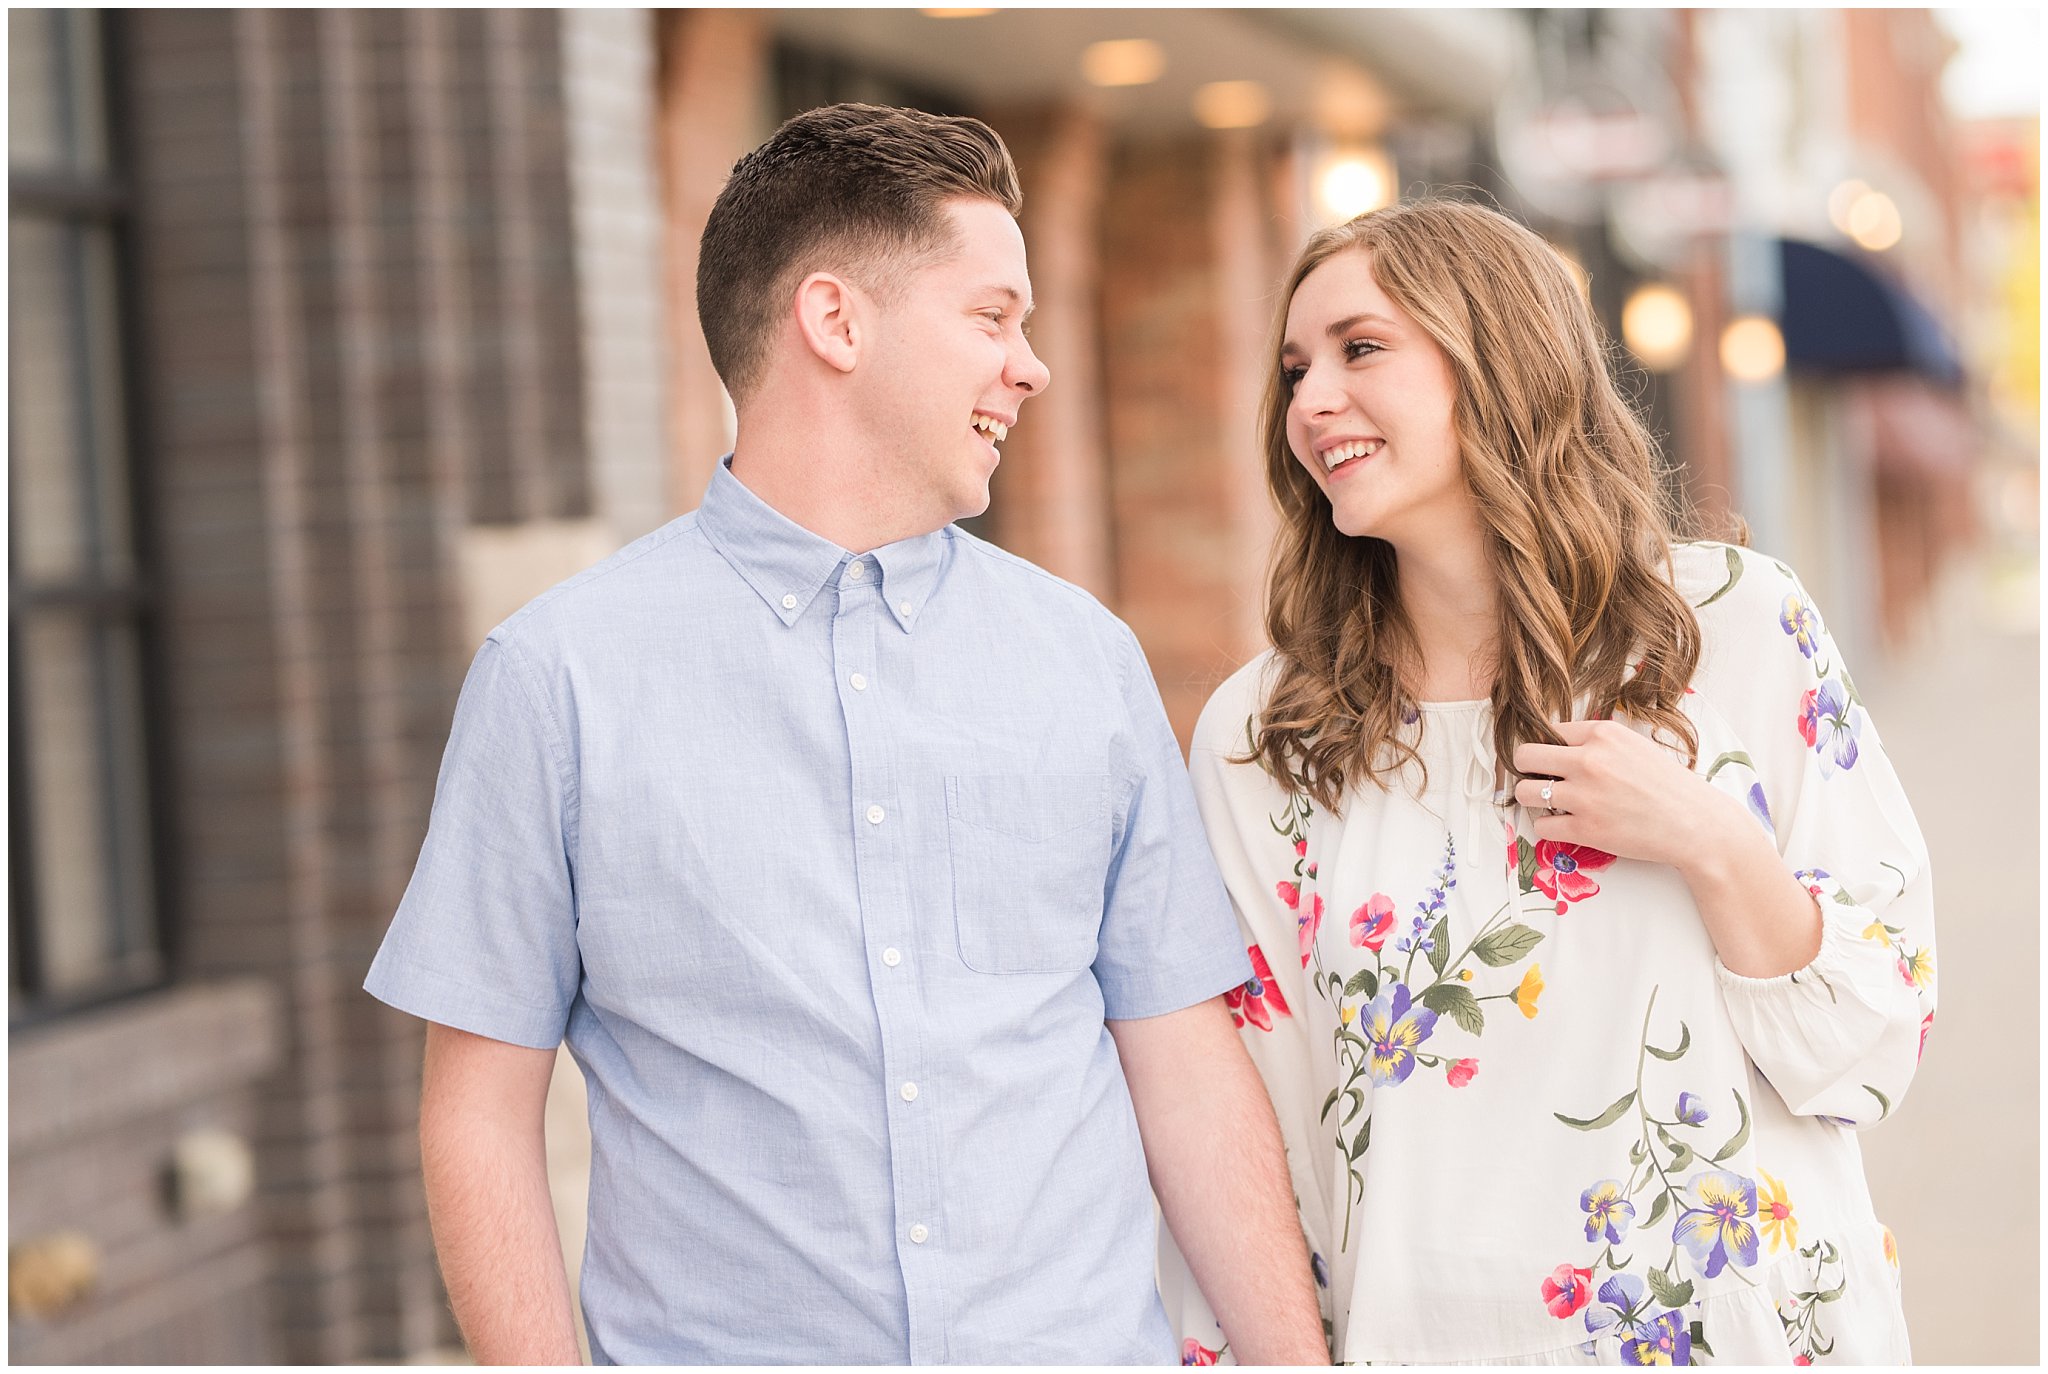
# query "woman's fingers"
(1530, 793)
(1553, 760)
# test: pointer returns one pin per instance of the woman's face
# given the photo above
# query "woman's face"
(1369, 408)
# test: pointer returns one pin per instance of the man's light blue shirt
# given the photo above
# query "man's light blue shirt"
(830, 869)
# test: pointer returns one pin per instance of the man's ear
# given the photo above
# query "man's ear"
(827, 315)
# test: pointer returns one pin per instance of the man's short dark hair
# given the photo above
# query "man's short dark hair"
(852, 189)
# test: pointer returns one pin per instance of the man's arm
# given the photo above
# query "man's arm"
(1213, 1148)
(484, 1153)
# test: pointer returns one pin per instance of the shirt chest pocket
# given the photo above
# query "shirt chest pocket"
(1030, 857)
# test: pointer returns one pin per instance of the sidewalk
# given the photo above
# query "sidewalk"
(1956, 1174)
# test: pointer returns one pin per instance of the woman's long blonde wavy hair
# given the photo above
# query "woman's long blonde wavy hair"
(1564, 477)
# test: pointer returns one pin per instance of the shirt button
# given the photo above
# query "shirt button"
(857, 570)
(859, 681)
(905, 608)
(789, 602)
(908, 1092)
(874, 815)
(919, 1234)
(892, 956)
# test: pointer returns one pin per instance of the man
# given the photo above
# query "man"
(832, 836)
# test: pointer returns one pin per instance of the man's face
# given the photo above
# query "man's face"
(951, 366)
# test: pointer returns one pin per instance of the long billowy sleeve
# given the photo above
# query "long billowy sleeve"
(1841, 1037)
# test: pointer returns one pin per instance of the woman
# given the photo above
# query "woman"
(1589, 919)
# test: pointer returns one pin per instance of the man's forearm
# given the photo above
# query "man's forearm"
(1220, 1173)
(494, 1224)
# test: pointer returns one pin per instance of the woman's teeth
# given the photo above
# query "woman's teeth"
(1333, 458)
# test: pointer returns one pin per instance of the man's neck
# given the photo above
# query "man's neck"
(837, 492)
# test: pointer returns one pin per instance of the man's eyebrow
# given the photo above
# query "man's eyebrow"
(1011, 294)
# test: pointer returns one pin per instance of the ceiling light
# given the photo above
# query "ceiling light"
(1232, 105)
(1123, 62)
(1874, 221)
(1352, 183)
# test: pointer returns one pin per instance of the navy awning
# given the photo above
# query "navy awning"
(1842, 315)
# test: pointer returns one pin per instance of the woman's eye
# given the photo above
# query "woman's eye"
(1291, 375)
(1361, 348)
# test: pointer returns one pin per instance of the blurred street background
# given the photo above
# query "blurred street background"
(337, 335)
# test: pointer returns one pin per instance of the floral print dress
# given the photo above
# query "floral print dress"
(1529, 1115)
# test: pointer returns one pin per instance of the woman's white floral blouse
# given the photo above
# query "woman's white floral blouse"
(1529, 1115)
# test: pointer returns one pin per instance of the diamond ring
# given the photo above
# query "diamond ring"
(1545, 794)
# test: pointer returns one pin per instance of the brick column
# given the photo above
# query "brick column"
(1184, 305)
(712, 83)
(1050, 501)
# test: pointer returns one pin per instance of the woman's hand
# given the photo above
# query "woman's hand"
(1613, 789)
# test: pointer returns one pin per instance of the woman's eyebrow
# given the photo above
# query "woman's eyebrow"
(1350, 322)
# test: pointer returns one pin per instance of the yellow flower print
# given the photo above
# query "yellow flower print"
(1875, 931)
(1530, 990)
(1891, 1246)
(1774, 1209)
(1348, 1015)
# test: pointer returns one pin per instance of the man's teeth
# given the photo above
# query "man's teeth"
(1344, 453)
(995, 429)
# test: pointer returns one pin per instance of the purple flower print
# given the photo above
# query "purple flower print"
(1723, 1224)
(1394, 1027)
(1829, 723)
(1801, 622)
(1691, 1111)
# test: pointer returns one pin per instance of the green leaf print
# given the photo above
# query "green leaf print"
(1684, 1044)
(1361, 1141)
(1658, 1209)
(1328, 1103)
(1741, 1136)
(1734, 576)
(1525, 866)
(1670, 1292)
(1606, 1118)
(1366, 981)
(1884, 1104)
(1440, 945)
(1732, 756)
(1507, 945)
(1455, 1001)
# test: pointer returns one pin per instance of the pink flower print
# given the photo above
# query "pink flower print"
(1926, 1025)
(1307, 921)
(1290, 894)
(1193, 1352)
(1259, 996)
(1373, 922)
(1460, 1073)
(1562, 871)
(1300, 849)
(1567, 1290)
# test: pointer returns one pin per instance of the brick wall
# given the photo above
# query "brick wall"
(365, 328)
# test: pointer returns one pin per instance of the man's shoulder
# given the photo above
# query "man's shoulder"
(1031, 586)
(627, 582)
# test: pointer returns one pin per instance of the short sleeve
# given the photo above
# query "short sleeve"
(485, 936)
(1840, 1038)
(1167, 939)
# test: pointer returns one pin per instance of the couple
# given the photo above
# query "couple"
(858, 866)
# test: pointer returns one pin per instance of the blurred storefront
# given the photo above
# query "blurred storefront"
(337, 335)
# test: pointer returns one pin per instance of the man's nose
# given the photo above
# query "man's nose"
(1027, 373)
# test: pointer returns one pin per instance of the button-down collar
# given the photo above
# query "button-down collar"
(788, 566)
